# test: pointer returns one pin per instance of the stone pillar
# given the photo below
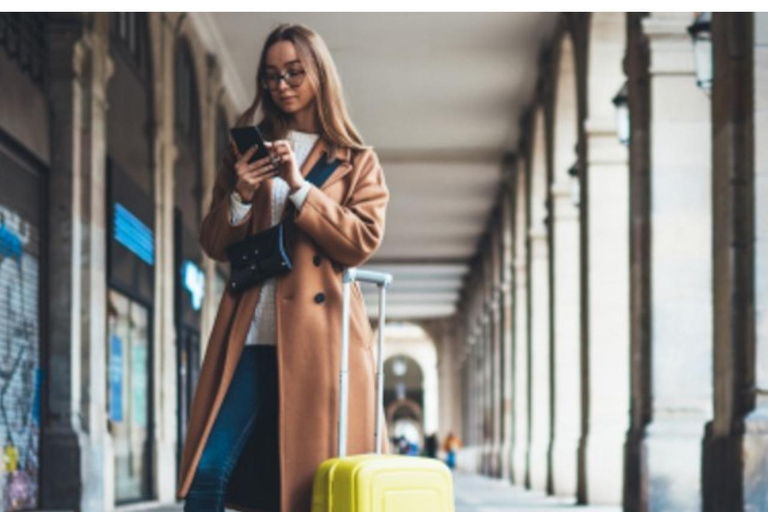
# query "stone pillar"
(566, 285)
(479, 440)
(735, 461)
(756, 436)
(506, 328)
(540, 327)
(73, 436)
(214, 91)
(608, 279)
(522, 341)
(487, 365)
(496, 353)
(635, 496)
(164, 330)
(681, 259)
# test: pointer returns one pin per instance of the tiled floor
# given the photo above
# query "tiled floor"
(479, 494)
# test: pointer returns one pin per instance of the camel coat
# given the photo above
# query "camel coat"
(340, 225)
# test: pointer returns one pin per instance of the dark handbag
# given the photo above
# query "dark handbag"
(268, 253)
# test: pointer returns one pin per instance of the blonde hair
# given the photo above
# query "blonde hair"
(335, 125)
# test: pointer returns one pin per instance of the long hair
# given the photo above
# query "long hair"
(335, 125)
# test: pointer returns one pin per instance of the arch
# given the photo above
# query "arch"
(410, 340)
(406, 404)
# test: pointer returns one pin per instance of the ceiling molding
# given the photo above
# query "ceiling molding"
(208, 32)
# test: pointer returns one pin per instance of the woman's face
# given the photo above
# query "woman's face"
(282, 60)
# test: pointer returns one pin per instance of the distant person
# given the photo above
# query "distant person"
(451, 445)
(430, 446)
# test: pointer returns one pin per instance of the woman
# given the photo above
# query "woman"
(263, 416)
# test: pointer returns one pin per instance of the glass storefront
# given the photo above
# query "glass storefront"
(128, 399)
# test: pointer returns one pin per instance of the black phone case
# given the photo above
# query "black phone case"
(248, 136)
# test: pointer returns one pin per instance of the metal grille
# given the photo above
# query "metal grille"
(24, 38)
(20, 372)
(130, 35)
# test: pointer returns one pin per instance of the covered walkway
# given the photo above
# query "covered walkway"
(481, 494)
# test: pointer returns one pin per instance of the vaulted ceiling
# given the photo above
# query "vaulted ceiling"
(439, 96)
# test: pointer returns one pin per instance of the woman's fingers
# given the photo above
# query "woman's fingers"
(256, 179)
(258, 164)
(247, 155)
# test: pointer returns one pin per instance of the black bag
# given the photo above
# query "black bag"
(268, 253)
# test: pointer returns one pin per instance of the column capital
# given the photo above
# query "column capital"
(671, 46)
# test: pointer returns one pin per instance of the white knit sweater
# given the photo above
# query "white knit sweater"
(262, 330)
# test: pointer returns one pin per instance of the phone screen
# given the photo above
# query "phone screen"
(246, 137)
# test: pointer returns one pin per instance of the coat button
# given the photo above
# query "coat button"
(320, 298)
(317, 260)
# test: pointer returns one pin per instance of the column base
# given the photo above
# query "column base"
(635, 472)
(722, 473)
(61, 484)
(539, 466)
(495, 464)
(165, 466)
(468, 459)
(735, 467)
(754, 448)
(565, 463)
(520, 473)
(603, 458)
(674, 451)
(506, 462)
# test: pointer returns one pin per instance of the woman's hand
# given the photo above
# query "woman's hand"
(287, 168)
(250, 176)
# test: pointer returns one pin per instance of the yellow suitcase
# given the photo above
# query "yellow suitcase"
(376, 482)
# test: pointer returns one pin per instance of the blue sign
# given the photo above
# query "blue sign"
(115, 379)
(194, 282)
(134, 234)
(139, 363)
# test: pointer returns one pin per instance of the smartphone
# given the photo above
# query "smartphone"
(247, 136)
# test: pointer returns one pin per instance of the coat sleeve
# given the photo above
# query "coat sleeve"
(217, 230)
(351, 233)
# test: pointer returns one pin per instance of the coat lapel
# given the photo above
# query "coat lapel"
(319, 150)
(262, 218)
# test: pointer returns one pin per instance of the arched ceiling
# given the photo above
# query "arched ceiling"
(439, 96)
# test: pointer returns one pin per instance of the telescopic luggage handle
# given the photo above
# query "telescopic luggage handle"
(382, 280)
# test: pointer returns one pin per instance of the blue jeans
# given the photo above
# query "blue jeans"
(250, 398)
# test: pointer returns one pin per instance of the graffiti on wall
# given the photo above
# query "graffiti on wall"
(19, 362)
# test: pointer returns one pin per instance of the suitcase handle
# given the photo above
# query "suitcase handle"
(383, 281)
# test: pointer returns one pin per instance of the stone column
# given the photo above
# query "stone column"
(73, 436)
(540, 314)
(506, 328)
(214, 91)
(488, 399)
(496, 353)
(681, 258)
(608, 279)
(164, 330)
(635, 496)
(756, 442)
(735, 460)
(522, 369)
(479, 396)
